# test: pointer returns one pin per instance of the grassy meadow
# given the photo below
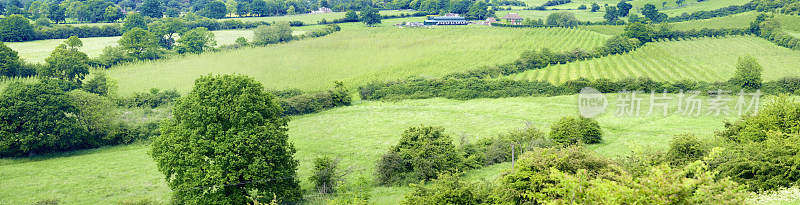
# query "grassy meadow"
(357, 55)
(708, 59)
(37, 51)
(358, 135)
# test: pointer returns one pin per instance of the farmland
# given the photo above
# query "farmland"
(358, 135)
(708, 59)
(192, 124)
(392, 54)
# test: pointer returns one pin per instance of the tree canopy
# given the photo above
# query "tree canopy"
(227, 142)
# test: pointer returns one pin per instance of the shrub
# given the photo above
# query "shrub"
(764, 149)
(10, 63)
(685, 149)
(571, 130)
(151, 99)
(448, 189)
(325, 175)
(488, 151)
(279, 32)
(421, 154)
(246, 134)
(196, 41)
(99, 84)
(38, 118)
(297, 103)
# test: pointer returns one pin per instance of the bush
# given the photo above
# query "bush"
(764, 148)
(562, 19)
(151, 99)
(16, 28)
(38, 118)
(294, 102)
(280, 32)
(325, 175)
(488, 151)
(685, 149)
(448, 189)
(571, 130)
(99, 84)
(227, 120)
(421, 154)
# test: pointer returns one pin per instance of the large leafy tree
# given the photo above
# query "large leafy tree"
(9, 61)
(226, 141)
(38, 118)
(165, 30)
(135, 20)
(214, 9)
(140, 44)
(651, 12)
(152, 8)
(370, 16)
(56, 13)
(748, 73)
(16, 28)
(67, 63)
(196, 41)
(479, 10)
(623, 8)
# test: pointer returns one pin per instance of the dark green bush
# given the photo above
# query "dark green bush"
(421, 154)
(574, 130)
(39, 118)
(298, 103)
(488, 151)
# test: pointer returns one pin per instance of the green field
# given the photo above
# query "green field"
(708, 59)
(357, 135)
(37, 51)
(358, 55)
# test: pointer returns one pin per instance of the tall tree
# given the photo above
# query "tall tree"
(226, 143)
(67, 63)
(152, 8)
(214, 10)
(370, 16)
(140, 44)
(624, 8)
(748, 73)
(56, 13)
(196, 41)
(652, 13)
(611, 14)
(135, 20)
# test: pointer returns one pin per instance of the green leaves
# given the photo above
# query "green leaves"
(227, 139)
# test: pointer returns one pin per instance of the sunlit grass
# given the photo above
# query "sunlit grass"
(358, 55)
(357, 135)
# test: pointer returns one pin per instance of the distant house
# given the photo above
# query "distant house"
(513, 18)
(322, 10)
(489, 21)
(446, 20)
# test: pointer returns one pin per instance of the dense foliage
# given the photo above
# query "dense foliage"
(299, 103)
(38, 118)
(325, 177)
(421, 154)
(572, 130)
(226, 143)
(764, 148)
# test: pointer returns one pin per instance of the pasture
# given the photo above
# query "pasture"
(37, 51)
(357, 55)
(358, 135)
(707, 59)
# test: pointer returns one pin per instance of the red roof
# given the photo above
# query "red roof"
(512, 16)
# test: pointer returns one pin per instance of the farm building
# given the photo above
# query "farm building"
(446, 20)
(322, 10)
(513, 18)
